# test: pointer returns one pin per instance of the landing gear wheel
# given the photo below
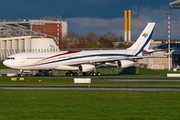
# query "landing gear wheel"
(71, 74)
(98, 74)
(19, 75)
(84, 73)
(75, 74)
(67, 74)
(90, 74)
(94, 73)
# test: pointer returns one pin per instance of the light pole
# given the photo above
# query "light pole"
(169, 31)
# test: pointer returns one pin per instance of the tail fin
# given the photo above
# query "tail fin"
(143, 41)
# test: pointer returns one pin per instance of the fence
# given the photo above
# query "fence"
(104, 71)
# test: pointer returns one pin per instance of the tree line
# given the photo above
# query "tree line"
(92, 40)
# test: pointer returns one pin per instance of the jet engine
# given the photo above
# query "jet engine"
(125, 63)
(86, 67)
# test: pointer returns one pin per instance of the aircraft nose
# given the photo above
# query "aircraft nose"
(5, 62)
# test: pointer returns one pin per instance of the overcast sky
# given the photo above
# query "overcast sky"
(99, 16)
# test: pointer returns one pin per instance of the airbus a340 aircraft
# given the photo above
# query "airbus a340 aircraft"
(85, 60)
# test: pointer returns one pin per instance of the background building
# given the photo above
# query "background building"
(14, 45)
(33, 35)
(162, 62)
(55, 28)
(51, 27)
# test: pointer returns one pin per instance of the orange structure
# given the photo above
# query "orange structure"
(127, 25)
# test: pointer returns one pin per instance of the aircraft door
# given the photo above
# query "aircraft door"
(23, 59)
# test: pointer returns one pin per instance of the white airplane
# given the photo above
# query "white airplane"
(85, 60)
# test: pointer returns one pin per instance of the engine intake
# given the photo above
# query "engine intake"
(86, 67)
(125, 63)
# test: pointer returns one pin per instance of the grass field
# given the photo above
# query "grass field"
(88, 105)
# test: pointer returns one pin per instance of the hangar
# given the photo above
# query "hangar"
(41, 35)
(15, 39)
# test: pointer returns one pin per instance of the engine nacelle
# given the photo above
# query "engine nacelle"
(86, 67)
(125, 63)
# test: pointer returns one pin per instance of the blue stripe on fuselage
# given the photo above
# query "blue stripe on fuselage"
(73, 58)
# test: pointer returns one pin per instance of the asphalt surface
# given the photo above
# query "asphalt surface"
(87, 88)
(104, 88)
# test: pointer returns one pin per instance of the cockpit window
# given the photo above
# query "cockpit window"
(10, 58)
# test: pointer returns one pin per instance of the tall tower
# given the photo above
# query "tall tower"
(127, 25)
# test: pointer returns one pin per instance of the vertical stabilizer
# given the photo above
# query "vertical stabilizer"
(144, 39)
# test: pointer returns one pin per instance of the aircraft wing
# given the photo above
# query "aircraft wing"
(106, 60)
(117, 58)
(96, 61)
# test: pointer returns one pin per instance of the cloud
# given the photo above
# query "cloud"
(140, 17)
(99, 25)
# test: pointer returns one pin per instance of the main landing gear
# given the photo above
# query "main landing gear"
(71, 73)
(91, 74)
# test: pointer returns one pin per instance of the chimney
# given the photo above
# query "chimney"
(127, 25)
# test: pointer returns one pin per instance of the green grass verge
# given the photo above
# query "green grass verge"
(2, 66)
(88, 105)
